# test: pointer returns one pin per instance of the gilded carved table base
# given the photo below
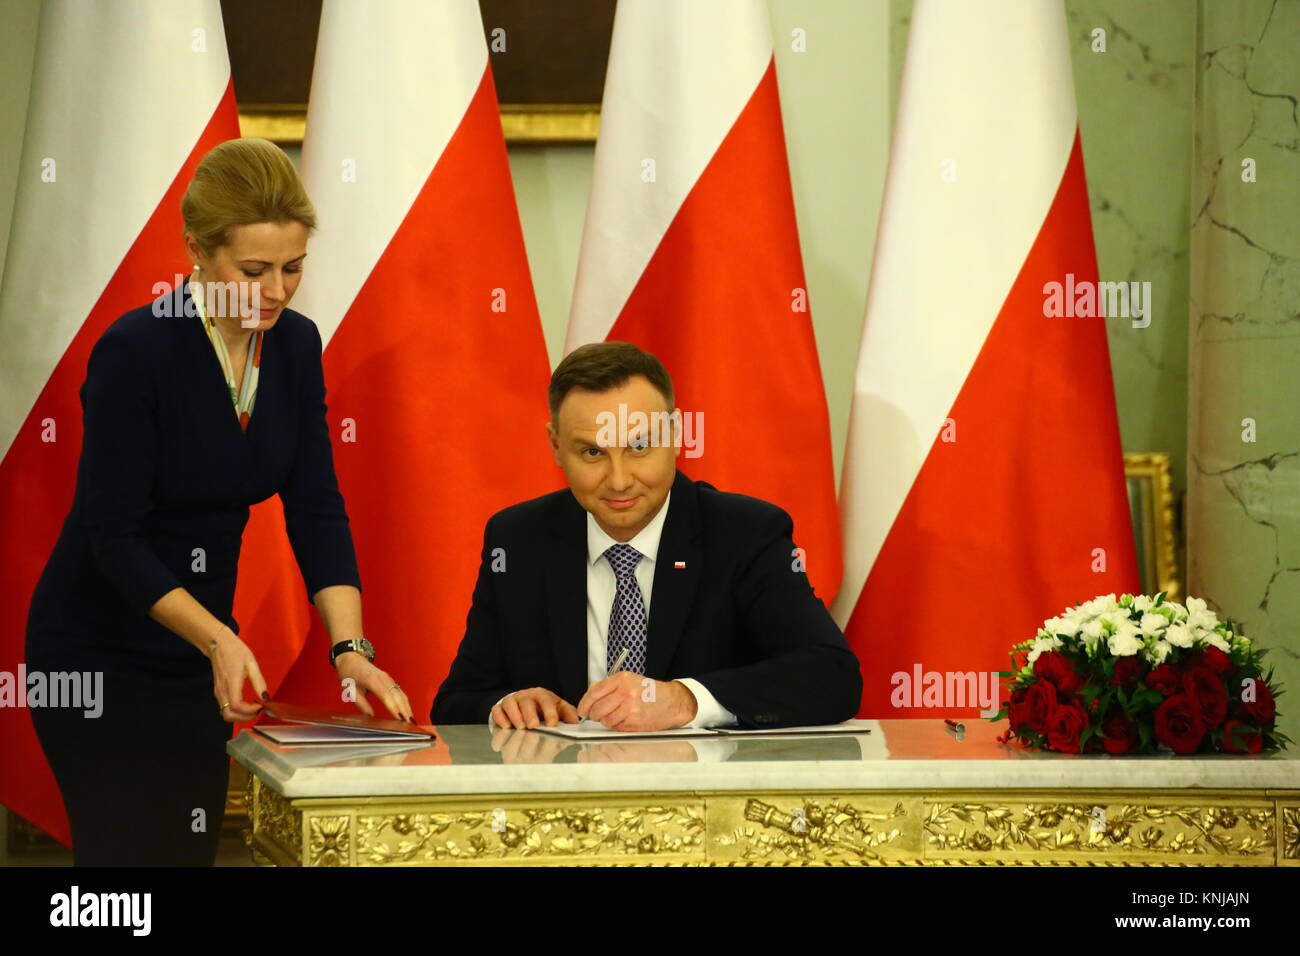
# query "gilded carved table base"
(875, 828)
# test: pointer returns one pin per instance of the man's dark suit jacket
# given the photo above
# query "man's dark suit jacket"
(737, 617)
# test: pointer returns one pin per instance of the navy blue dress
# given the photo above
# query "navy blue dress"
(164, 484)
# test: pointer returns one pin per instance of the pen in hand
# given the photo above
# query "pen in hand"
(618, 661)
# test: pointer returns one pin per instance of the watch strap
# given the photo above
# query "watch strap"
(360, 645)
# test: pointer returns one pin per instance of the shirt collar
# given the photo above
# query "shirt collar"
(646, 541)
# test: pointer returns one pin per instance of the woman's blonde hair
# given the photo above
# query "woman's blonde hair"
(241, 182)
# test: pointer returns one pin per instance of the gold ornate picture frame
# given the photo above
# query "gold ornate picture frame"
(536, 124)
(548, 66)
(1149, 481)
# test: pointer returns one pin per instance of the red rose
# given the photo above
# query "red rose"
(1205, 688)
(1039, 702)
(1260, 710)
(1064, 727)
(1127, 669)
(1016, 709)
(1211, 657)
(1165, 679)
(1056, 667)
(1121, 734)
(1239, 738)
(1178, 724)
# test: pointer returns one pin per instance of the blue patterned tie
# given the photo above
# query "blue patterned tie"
(627, 616)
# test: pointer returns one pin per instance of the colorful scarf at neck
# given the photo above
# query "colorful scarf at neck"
(243, 397)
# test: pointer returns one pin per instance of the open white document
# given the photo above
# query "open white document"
(594, 730)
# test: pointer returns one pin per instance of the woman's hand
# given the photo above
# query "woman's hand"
(232, 663)
(367, 678)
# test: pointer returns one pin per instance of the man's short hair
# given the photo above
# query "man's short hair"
(600, 366)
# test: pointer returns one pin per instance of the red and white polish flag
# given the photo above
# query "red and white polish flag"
(691, 251)
(419, 283)
(983, 486)
(107, 154)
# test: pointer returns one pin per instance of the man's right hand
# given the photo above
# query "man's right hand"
(530, 708)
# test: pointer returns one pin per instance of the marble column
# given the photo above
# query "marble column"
(1243, 503)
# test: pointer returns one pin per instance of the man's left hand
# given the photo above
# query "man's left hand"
(627, 701)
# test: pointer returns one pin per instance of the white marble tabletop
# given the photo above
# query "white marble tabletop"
(894, 754)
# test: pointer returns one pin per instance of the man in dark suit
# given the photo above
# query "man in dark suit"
(693, 596)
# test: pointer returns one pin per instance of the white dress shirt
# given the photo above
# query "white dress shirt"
(601, 585)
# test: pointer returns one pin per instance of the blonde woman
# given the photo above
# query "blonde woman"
(197, 406)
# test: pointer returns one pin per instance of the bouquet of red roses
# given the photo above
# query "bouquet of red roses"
(1141, 675)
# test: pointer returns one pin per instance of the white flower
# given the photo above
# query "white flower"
(1098, 605)
(1157, 652)
(1066, 625)
(1153, 623)
(1124, 642)
(1102, 604)
(1199, 615)
(1214, 639)
(1076, 616)
(1049, 643)
(1092, 630)
(1116, 617)
(1143, 603)
(1179, 635)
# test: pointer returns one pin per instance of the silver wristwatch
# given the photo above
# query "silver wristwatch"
(360, 645)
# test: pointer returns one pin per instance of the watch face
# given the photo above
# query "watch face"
(367, 648)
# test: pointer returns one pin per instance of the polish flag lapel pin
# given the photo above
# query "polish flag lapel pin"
(679, 565)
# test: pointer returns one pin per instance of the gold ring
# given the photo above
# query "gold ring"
(223, 707)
